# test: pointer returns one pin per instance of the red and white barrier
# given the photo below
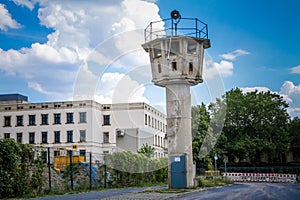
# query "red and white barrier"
(261, 177)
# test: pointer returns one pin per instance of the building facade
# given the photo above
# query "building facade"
(82, 126)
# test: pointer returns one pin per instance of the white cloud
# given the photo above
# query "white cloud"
(253, 89)
(233, 55)
(109, 87)
(295, 70)
(212, 69)
(26, 3)
(291, 93)
(78, 28)
(6, 20)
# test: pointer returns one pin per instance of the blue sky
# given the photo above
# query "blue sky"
(83, 49)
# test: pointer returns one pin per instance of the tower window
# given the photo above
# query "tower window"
(174, 66)
(159, 68)
(192, 47)
(174, 48)
(191, 67)
(156, 51)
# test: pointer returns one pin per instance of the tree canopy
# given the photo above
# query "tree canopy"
(147, 150)
(253, 127)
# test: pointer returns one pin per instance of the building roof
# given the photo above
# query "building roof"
(13, 97)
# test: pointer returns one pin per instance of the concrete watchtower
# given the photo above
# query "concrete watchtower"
(176, 56)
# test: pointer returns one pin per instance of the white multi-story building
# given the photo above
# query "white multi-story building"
(84, 126)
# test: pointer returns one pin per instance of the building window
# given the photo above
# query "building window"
(20, 120)
(7, 121)
(69, 136)
(44, 137)
(82, 117)
(106, 137)
(106, 120)
(44, 119)
(82, 152)
(149, 120)
(82, 136)
(31, 120)
(56, 153)
(6, 135)
(19, 137)
(56, 136)
(31, 138)
(57, 118)
(146, 118)
(70, 118)
(152, 120)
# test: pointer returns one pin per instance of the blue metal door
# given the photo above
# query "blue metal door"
(178, 173)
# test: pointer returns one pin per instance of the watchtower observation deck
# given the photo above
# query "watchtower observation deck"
(176, 52)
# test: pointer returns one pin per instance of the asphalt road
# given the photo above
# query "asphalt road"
(248, 191)
(244, 191)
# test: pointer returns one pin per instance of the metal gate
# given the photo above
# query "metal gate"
(178, 172)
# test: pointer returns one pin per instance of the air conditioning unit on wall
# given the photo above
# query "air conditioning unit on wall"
(120, 132)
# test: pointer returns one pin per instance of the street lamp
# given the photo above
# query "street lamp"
(216, 158)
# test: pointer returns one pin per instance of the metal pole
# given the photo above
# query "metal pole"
(90, 170)
(172, 28)
(49, 168)
(196, 20)
(215, 165)
(105, 173)
(225, 166)
(71, 169)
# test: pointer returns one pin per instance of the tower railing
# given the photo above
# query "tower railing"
(190, 27)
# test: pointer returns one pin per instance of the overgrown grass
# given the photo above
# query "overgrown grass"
(213, 182)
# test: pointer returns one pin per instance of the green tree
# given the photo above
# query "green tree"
(14, 171)
(200, 125)
(147, 150)
(256, 124)
(132, 169)
(294, 137)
